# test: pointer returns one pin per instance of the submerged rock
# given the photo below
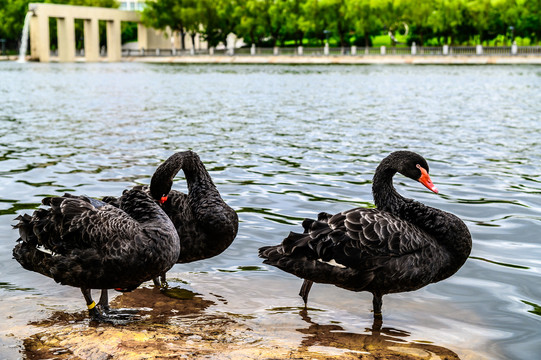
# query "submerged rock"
(184, 326)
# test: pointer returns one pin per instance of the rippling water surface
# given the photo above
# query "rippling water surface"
(284, 143)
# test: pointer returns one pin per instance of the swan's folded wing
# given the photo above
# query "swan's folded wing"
(361, 238)
(75, 223)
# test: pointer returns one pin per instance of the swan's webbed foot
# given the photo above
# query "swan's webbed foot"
(102, 313)
(103, 306)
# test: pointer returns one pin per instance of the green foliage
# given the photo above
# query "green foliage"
(346, 22)
(312, 22)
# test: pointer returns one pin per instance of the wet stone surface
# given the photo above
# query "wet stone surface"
(178, 324)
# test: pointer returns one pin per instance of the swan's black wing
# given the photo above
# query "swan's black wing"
(88, 243)
(357, 249)
(75, 222)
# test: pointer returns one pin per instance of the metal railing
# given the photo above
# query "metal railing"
(348, 51)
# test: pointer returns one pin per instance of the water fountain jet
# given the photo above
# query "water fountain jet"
(24, 37)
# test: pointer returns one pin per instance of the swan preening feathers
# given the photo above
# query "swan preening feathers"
(402, 245)
(119, 243)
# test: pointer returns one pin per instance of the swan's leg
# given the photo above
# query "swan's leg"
(93, 311)
(165, 285)
(103, 304)
(159, 281)
(376, 303)
(305, 290)
(376, 325)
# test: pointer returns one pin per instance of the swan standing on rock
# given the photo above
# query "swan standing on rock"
(205, 224)
(90, 244)
(402, 245)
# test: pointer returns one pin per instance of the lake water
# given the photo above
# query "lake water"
(284, 143)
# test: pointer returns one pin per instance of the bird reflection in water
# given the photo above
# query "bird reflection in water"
(162, 305)
(378, 343)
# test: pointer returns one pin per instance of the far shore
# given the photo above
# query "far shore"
(331, 59)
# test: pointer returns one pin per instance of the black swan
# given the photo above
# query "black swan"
(205, 224)
(90, 244)
(402, 245)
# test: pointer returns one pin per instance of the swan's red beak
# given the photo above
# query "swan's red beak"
(426, 181)
(163, 199)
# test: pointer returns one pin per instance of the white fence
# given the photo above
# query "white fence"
(349, 51)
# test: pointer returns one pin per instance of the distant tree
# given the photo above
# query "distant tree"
(12, 13)
(479, 12)
(335, 15)
(418, 17)
(250, 14)
(215, 20)
(276, 20)
(294, 18)
(315, 23)
(192, 18)
(447, 19)
(165, 14)
(364, 19)
(392, 15)
(504, 17)
(529, 22)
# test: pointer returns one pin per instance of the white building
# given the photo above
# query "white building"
(132, 5)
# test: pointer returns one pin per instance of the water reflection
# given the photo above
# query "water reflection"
(162, 306)
(379, 343)
(284, 143)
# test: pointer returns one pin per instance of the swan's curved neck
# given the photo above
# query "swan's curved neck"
(445, 227)
(194, 170)
(385, 195)
(388, 199)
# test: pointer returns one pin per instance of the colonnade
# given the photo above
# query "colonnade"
(66, 15)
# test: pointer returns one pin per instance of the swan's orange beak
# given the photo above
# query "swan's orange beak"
(163, 199)
(426, 181)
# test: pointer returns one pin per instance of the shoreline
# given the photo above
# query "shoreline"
(340, 59)
(329, 60)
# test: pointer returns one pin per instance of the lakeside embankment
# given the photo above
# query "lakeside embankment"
(367, 59)
(334, 59)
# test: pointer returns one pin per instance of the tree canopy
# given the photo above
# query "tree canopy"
(348, 22)
(312, 22)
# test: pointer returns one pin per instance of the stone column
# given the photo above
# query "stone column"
(39, 38)
(114, 41)
(142, 36)
(66, 39)
(92, 39)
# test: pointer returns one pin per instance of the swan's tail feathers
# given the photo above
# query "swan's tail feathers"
(25, 228)
(324, 217)
(31, 258)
